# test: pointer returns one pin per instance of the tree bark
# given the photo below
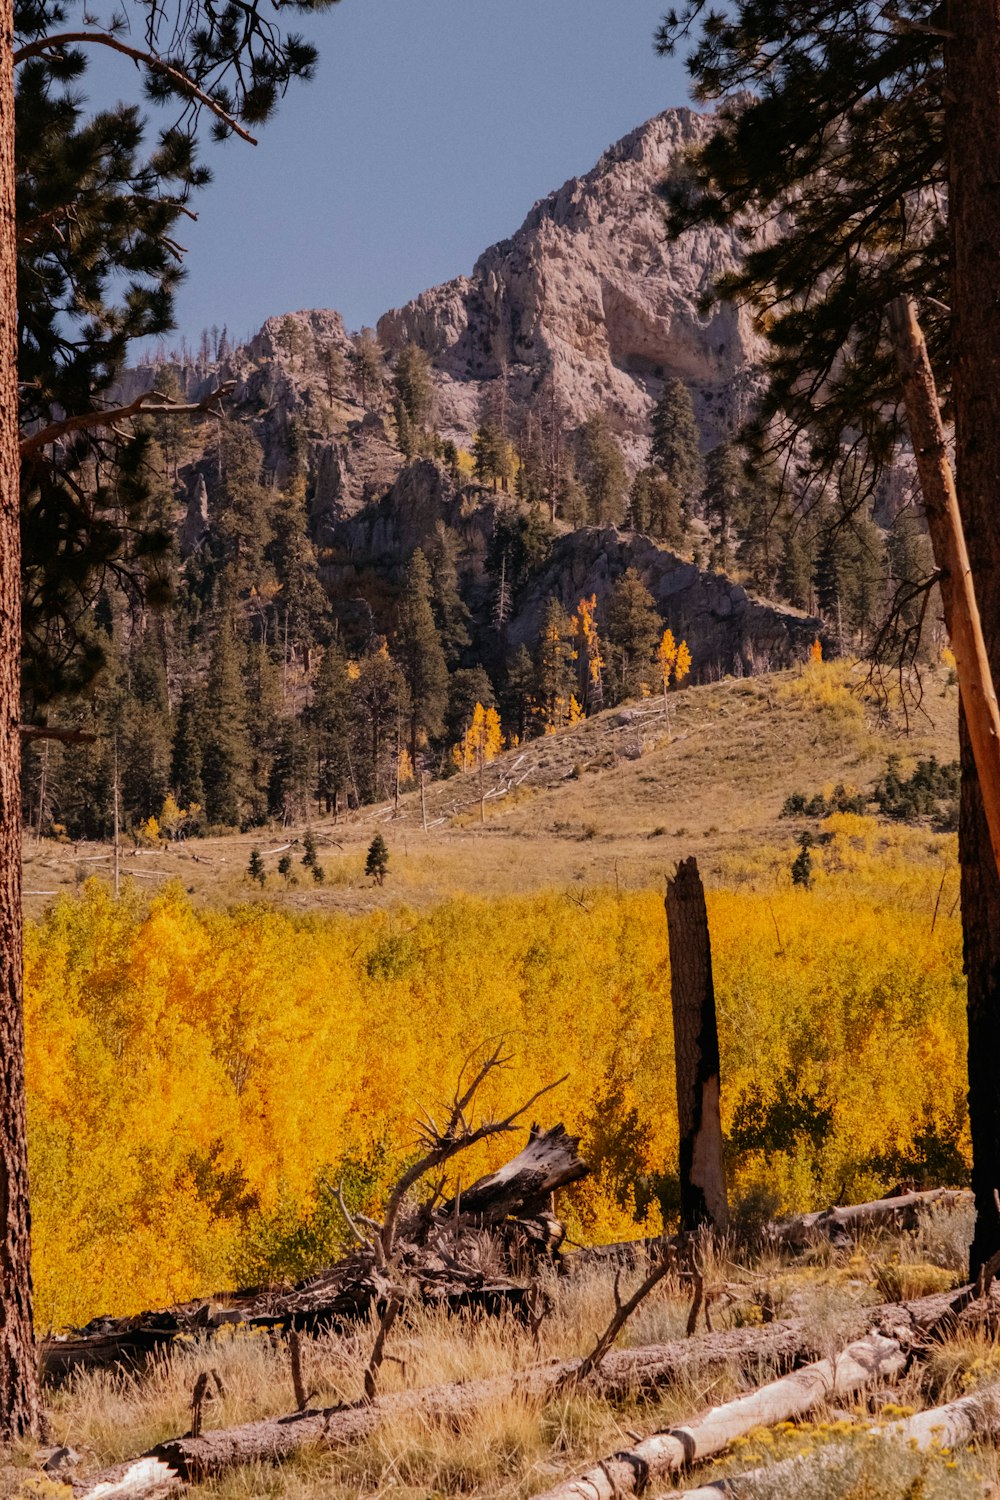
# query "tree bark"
(972, 63)
(944, 523)
(696, 1052)
(18, 1377)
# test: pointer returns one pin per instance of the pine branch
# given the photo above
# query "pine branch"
(157, 64)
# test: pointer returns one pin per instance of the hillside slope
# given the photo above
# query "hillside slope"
(617, 799)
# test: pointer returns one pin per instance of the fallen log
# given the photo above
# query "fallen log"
(838, 1224)
(473, 1252)
(959, 1422)
(630, 1472)
(624, 1373)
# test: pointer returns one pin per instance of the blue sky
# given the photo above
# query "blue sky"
(429, 130)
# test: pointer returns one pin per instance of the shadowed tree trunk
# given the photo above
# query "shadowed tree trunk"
(696, 1052)
(972, 58)
(18, 1378)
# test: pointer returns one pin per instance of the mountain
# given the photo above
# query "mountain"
(591, 302)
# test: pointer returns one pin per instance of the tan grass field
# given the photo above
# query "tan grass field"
(616, 800)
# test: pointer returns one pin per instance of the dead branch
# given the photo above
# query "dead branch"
(64, 736)
(389, 1316)
(959, 1422)
(140, 407)
(623, 1311)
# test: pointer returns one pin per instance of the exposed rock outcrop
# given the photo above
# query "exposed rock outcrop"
(591, 303)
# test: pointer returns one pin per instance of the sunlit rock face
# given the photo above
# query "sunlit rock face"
(589, 304)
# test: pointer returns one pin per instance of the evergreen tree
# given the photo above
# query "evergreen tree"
(331, 717)
(302, 605)
(414, 388)
(518, 687)
(368, 369)
(226, 751)
(634, 629)
(602, 471)
(676, 442)
(493, 455)
(796, 563)
(186, 751)
(555, 673)
(724, 502)
(420, 654)
(381, 699)
(241, 523)
(466, 688)
(654, 507)
(377, 861)
(332, 365)
(571, 498)
(451, 613)
(910, 565)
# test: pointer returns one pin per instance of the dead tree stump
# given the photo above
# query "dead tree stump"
(696, 1052)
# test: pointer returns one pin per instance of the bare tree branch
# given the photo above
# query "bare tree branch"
(140, 407)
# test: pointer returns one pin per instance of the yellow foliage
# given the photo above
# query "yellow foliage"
(481, 742)
(148, 833)
(816, 650)
(683, 666)
(404, 768)
(184, 1066)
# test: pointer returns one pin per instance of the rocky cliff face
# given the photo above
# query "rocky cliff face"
(589, 302)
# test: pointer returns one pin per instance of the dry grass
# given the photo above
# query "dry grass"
(616, 800)
(518, 1447)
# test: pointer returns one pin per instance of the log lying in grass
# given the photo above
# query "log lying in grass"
(952, 1426)
(467, 1253)
(839, 1225)
(623, 1373)
(630, 1472)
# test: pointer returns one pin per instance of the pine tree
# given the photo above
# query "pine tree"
(655, 507)
(255, 868)
(332, 720)
(226, 753)
(910, 565)
(633, 631)
(555, 673)
(420, 654)
(675, 447)
(368, 369)
(518, 688)
(724, 502)
(377, 862)
(414, 388)
(451, 613)
(302, 606)
(186, 751)
(241, 526)
(380, 697)
(602, 471)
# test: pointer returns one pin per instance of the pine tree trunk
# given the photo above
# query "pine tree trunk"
(972, 58)
(18, 1378)
(696, 1052)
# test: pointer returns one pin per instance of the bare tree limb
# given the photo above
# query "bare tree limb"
(140, 407)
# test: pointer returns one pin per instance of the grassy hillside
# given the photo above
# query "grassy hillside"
(615, 800)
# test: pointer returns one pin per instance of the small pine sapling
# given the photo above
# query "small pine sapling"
(802, 864)
(309, 846)
(255, 869)
(285, 865)
(377, 863)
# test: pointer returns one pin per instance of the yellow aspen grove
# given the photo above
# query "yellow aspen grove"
(589, 654)
(816, 651)
(481, 742)
(675, 665)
